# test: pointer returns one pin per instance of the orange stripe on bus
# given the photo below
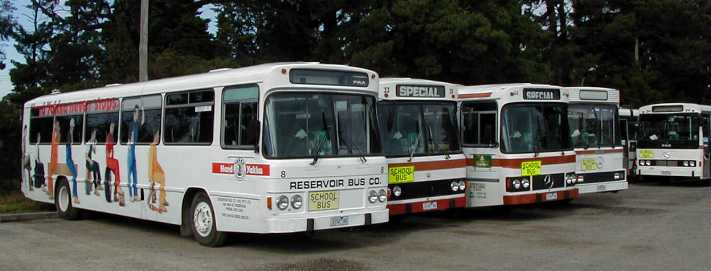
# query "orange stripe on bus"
(475, 95)
(434, 165)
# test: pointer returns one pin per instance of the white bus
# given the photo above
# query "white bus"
(628, 131)
(426, 167)
(273, 148)
(516, 136)
(595, 134)
(674, 140)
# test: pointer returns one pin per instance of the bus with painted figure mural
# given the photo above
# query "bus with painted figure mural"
(673, 140)
(272, 148)
(515, 138)
(595, 132)
(628, 131)
(426, 167)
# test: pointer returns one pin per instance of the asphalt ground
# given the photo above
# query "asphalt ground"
(651, 226)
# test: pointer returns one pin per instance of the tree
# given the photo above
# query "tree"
(6, 23)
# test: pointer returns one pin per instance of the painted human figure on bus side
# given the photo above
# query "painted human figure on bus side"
(38, 177)
(70, 161)
(156, 175)
(112, 167)
(53, 157)
(134, 128)
(26, 164)
(93, 174)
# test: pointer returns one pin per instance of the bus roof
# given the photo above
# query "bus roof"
(214, 78)
(507, 92)
(667, 108)
(628, 112)
(390, 87)
(593, 94)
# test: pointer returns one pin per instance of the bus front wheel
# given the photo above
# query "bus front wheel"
(202, 222)
(63, 202)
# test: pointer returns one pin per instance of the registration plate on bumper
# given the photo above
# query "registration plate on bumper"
(551, 196)
(323, 200)
(339, 221)
(430, 205)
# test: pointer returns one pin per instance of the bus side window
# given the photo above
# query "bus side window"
(40, 129)
(189, 117)
(142, 114)
(240, 128)
(479, 124)
(65, 124)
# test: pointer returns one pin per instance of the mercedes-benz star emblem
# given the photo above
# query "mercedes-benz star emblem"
(548, 182)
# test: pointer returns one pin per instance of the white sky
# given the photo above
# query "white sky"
(22, 14)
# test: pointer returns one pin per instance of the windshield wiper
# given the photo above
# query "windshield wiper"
(413, 148)
(319, 144)
(352, 146)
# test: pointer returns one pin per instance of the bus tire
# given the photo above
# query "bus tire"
(202, 222)
(63, 201)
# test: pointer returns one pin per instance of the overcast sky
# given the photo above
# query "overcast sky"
(22, 16)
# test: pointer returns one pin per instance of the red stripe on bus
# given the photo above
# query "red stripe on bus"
(434, 165)
(417, 207)
(223, 168)
(599, 151)
(475, 95)
(540, 197)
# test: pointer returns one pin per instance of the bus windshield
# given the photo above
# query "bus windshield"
(303, 125)
(535, 127)
(668, 130)
(419, 128)
(593, 125)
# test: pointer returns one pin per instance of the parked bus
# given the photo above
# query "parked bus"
(674, 140)
(628, 130)
(595, 134)
(426, 167)
(273, 148)
(516, 137)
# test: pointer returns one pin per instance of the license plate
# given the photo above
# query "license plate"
(531, 168)
(552, 196)
(601, 187)
(666, 173)
(432, 205)
(323, 200)
(339, 221)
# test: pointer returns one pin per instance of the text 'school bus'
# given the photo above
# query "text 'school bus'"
(595, 134)
(273, 148)
(426, 167)
(516, 136)
(628, 131)
(673, 140)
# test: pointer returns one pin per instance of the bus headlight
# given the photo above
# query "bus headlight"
(570, 178)
(372, 196)
(686, 163)
(526, 184)
(283, 203)
(516, 184)
(397, 191)
(382, 196)
(692, 163)
(462, 185)
(454, 186)
(297, 201)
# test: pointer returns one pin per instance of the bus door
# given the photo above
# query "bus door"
(240, 131)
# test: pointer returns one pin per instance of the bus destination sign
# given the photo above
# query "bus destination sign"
(541, 94)
(420, 91)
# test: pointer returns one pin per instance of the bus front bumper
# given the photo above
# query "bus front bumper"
(602, 187)
(541, 197)
(669, 171)
(325, 222)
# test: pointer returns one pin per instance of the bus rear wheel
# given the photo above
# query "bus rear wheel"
(63, 202)
(203, 224)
